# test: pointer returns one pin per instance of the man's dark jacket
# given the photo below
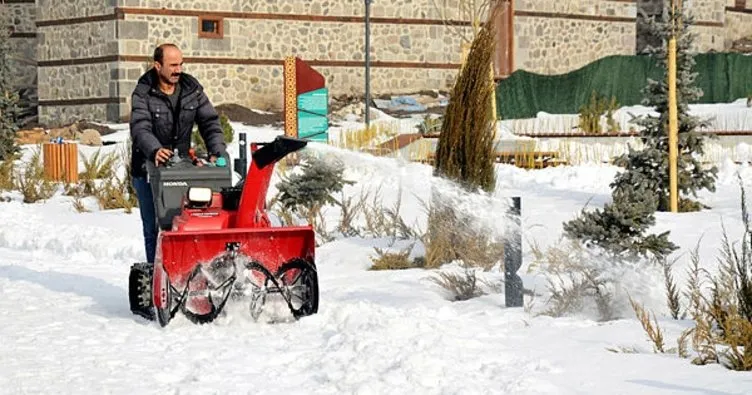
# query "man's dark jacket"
(153, 123)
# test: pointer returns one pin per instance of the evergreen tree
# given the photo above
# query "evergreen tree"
(643, 187)
(8, 99)
(619, 228)
(312, 188)
(650, 165)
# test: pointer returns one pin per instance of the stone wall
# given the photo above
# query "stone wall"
(20, 16)
(76, 57)
(738, 25)
(414, 9)
(77, 41)
(579, 7)
(271, 39)
(250, 39)
(707, 10)
(65, 9)
(553, 37)
(262, 86)
(23, 43)
(709, 26)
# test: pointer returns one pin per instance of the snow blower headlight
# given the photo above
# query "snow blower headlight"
(199, 196)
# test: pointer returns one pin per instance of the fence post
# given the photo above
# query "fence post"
(513, 295)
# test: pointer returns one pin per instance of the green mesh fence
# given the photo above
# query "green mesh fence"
(723, 77)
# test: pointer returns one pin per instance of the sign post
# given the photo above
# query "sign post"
(306, 102)
(368, 63)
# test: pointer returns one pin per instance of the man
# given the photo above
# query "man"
(164, 107)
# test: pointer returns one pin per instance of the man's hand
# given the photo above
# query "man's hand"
(212, 159)
(163, 155)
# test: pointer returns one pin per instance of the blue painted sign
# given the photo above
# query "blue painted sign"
(313, 111)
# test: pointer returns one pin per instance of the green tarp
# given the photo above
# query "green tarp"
(723, 77)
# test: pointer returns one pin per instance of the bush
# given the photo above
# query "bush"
(32, 182)
(463, 285)
(430, 125)
(228, 133)
(591, 113)
(306, 192)
(620, 227)
(96, 167)
(392, 260)
(464, 153)
(723, 317)
(8, 99)
(6, 173)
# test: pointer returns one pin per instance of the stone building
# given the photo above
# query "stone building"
(84, 56)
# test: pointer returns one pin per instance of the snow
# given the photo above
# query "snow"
(66, 325)
(736, 115)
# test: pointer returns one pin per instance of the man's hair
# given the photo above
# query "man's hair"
(159, 51)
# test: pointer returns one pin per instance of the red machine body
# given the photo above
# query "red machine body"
(210, 246)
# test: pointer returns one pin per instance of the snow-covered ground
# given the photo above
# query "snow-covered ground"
(66, 326)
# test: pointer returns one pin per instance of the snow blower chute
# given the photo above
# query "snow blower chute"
(217, 243)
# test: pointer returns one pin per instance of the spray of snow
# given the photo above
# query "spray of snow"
(417, 186)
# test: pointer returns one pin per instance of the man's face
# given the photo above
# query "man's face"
(171, 67)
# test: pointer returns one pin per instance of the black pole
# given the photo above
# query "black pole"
(368, 63)
(513, 295)
(241, 163)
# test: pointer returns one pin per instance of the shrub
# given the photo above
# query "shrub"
(32, 182)
(430, 125)
(228, 134)
(8, 99)
(96, 167)
(723, 319)
(461, 286)
(464, 153)
(392, 260)
(306, 192)
(597, 107)
(6, 173)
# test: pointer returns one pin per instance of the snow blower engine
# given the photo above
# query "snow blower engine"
(217, 243)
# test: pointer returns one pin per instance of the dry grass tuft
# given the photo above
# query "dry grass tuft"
(6, 174)
(672, 295)
(392, 260)
(113, 195)
(461, 286)
(32, 183)
(78, 205)
(451, 237)
(96, 167)
(651, 327)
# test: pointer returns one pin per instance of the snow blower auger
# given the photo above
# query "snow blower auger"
(217, 244)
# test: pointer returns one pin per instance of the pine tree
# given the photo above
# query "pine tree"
(8, 99)
(314, 187)
(643, 187)
(650, 165)
(619, 228)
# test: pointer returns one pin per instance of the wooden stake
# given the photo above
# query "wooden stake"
(673, 118)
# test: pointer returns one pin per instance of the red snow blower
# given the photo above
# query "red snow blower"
(217, 242)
